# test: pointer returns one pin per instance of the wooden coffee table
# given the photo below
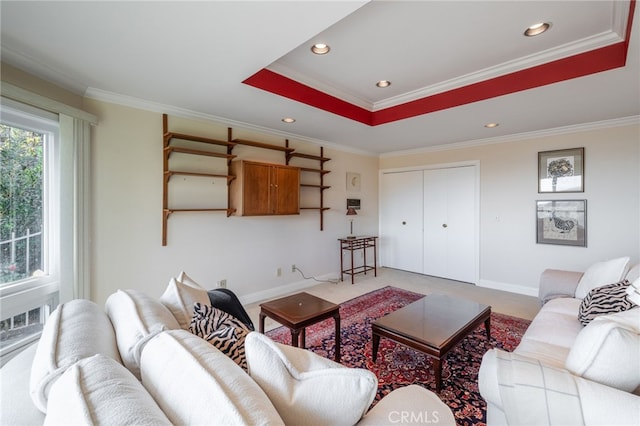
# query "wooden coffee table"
(433, 325)
(299, 311)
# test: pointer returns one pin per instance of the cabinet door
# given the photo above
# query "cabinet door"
(256, 189)
(287, 190)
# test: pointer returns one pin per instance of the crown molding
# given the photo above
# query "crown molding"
(41, 70)
(604, 124)
(145, 105)
(320, 85)
(607, 38)
(526, 62)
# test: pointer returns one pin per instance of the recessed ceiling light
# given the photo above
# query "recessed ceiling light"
(289, 120)
(537, 29)
(383, 83)
(320, 48)
(491, 125)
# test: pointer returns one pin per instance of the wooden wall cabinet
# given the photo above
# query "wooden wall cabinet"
(262, 189)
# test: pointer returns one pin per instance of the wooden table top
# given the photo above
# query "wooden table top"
(435, 320)
(299, 307)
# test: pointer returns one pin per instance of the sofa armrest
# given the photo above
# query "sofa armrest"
(528, 391)
(411, 404)
(556, 283)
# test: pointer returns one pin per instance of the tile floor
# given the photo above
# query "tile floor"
(500, 301)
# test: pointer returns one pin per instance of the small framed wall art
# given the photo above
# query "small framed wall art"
(561, 222)
(353, 182)
(561, 170)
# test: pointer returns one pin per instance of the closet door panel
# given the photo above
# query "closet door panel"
(461, 214)
(436, 227)
(401, 236)
(450, 223)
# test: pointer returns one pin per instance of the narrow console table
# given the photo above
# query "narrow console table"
(358, 243)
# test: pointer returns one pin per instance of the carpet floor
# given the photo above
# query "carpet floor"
(397, 365)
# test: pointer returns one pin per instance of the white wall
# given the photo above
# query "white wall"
(246, 251)
(509, 256)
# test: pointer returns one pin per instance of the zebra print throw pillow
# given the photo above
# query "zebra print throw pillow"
(607, 299)
(222, 330)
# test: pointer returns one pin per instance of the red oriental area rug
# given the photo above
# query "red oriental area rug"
(398, 365)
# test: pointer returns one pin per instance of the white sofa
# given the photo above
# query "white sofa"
(133, 363)
(565, 373)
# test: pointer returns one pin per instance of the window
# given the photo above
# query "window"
(29, 222)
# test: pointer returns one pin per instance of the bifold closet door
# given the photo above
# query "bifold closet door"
(450, 223)
(401, 220)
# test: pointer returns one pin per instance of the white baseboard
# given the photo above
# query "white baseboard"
(282, 290)
(513, 288)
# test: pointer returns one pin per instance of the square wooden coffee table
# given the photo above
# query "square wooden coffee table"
(433, 325)
(299, 311)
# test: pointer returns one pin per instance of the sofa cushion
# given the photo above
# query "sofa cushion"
(303, 385)
(222, 330)
(194, 383)
(604, 300)
(136, 317)
(634, 273)
(74, 330)
(16, 406)
(606, 351)
(180, 296)
(548, 353)
(98, 390)
(602, 273)
(560, 315)
(565, 306)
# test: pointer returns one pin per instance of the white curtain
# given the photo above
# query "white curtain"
(75, 135)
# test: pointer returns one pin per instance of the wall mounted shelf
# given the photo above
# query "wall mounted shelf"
(290, 155)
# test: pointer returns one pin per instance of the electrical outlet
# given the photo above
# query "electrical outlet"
(279, 272)
(293, 268)
(222, 283)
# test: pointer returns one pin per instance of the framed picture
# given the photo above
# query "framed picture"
(562, 222)
(561, 170)
(353, 182)
(353, 203)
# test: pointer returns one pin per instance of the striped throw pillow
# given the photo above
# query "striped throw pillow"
(604, 300)
(222, 330)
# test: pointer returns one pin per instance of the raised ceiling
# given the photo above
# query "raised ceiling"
(454, 66)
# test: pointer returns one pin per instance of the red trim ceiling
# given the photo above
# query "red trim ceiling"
(580, 65)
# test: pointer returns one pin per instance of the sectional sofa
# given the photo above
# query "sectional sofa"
(135, 362)
(565, 372)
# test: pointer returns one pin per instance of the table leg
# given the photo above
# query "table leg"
(487, 327)
(375, 262)
(303, 338)
(336, 318)
(364, 258)
(261, 322)
(295, 337)
(351, 250)
(375, 342)
(341, 263)
(437, 369)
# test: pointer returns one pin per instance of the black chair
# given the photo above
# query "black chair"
(226, 300)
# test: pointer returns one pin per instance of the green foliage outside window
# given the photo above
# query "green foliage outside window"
(21, 197)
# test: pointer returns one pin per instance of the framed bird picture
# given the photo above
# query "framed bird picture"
(562, 222)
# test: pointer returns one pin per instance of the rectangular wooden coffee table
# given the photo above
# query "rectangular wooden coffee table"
(433, 325)
(299, 311)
